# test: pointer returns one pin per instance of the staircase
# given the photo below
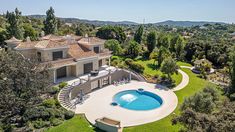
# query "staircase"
(63, 96)
(137, 75)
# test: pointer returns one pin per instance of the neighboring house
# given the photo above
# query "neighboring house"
(233, 34)
(69, 56)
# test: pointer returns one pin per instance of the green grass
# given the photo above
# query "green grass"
(77, 124)
(195, 84)
(180, 63)
(150, 69)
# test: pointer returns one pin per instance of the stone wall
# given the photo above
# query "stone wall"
(86, 87)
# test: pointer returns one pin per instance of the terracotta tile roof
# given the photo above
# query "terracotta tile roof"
(51, 44)
(91, 41)
(52, 37)
(62, 62)
(59, 63)
(75, 37)
(77, 51)
(13, 39)
(27, 45)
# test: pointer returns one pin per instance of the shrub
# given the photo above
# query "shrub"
(55, 122)
(40, 124)
(114, 63)
(115, 58)
(57, 103)
(156, 76)
(54, 90)
(68, 115)
(128, 61)
(49, 103)
(163, 77)
(36, 113)
(62, 85)
(134, 66)
(54, 112)
(232, 97)
(137, 67)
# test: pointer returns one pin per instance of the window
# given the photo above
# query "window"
(57, 55)
(39, 55)
(97, 49)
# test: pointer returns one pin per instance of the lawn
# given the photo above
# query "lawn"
(79, 123)
(76, 124)
(180, 63)
(150, 69)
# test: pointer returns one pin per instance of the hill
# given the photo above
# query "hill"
(101, 23)
(185, 23)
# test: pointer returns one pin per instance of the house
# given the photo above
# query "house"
(233, 34)
(69, 56)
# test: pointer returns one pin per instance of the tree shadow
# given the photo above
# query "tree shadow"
(96, 129)
(153, 66)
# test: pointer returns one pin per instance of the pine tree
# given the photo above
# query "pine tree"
(50, 24)
(151, 41)
(179, 48)
(139, 34)
(15, 24)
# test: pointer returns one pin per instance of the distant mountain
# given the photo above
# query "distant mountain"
(101, 23)
(94, 22)
(185, 23)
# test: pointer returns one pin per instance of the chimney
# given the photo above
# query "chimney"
(28, 39)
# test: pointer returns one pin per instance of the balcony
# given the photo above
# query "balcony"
(105, 53)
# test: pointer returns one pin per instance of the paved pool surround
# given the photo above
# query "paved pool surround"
(98, 105)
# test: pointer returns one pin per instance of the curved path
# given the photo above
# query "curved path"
(184, 82)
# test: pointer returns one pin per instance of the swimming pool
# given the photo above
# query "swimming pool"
(138, 100)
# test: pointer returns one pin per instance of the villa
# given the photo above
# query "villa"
(106, 95)
(70, 56)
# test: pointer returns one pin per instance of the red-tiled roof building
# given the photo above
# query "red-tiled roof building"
(68, 55)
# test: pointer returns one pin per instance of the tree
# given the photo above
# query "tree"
(3, 36)
(163, 40)
(169, 67)
(81, 30)
(15, 24)
(133, 48)
(179, 48)
(151, 41)
(50, 23)
(22, 81)
(232, 72)
(114, 46)
(138, 34)
(203, 102)
(111, 32)
(162, 54)
(173, 42)
(30, 32)
(198, 115)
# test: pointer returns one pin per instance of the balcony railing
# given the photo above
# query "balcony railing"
(105, 52)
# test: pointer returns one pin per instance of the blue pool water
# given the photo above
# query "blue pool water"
(138, 100)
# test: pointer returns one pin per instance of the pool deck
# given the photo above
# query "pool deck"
(98, 105)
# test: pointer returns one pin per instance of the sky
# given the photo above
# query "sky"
(129, 10)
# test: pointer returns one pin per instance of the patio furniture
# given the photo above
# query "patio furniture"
(108, 124)
(94, 73)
